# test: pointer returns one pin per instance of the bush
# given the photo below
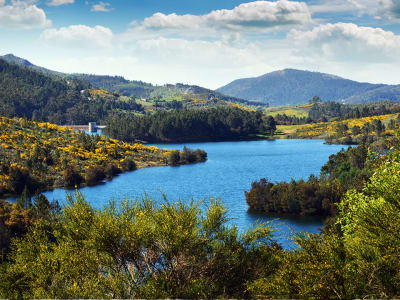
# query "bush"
(174, 158)
(94, 175)
(201, 155)
(72, 178)
(128, 165)
(111, 170)
(188, 155)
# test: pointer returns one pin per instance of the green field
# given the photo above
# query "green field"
(300, 111)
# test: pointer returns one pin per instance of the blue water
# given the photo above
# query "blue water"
(229, 171)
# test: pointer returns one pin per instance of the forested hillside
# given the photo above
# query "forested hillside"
(294, 87)
(136, 89)
(43, 97)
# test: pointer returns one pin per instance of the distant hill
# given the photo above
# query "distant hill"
(43, 96)
(389, 92)
(295, 87)
(12, 59)
(137, 89)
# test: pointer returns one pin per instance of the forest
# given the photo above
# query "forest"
(212, 124)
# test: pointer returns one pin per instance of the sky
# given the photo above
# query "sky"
(206, 42)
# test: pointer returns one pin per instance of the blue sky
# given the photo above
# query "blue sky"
(208, 43)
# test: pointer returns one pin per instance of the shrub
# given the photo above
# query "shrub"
(94, 175)
(128, 165)
(111, 170)
(174, 158)
(72, 178)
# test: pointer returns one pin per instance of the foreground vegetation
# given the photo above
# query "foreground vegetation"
(38, 156)
(141, 249)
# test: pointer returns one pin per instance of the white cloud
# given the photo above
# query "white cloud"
(60, 2)
(101, 7)
(391, 8)
(252, 15)
(348, 42)
(379, 9)
(80, 36)
(22, 15)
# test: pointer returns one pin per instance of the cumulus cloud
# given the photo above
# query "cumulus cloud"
(60, 2)
(348, 42)
(80, 36)
(252, 15)
(101, 7)
(22, 15)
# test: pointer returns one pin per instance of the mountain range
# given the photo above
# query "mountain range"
(294, 87)
(133, 88)
(288, 86)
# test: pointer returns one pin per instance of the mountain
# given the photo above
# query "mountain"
(389, 92)
(133, 88)
(294, 87)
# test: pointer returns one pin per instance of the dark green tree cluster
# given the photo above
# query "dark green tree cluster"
(221, 123)
(187, 156)
(294, 198)
(317, 196)
(284, 119)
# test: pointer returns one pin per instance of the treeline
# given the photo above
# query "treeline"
(284, 119)
(327, 111)
(221, 123)
(317, 196)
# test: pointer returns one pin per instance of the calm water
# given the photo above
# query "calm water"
(229, 171)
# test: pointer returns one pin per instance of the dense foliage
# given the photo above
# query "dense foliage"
(221, 123)
(16, 218)
(297, 87)
(36, 156)
(137, 250)
(317, 196)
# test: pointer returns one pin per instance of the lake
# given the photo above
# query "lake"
(229, 171)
